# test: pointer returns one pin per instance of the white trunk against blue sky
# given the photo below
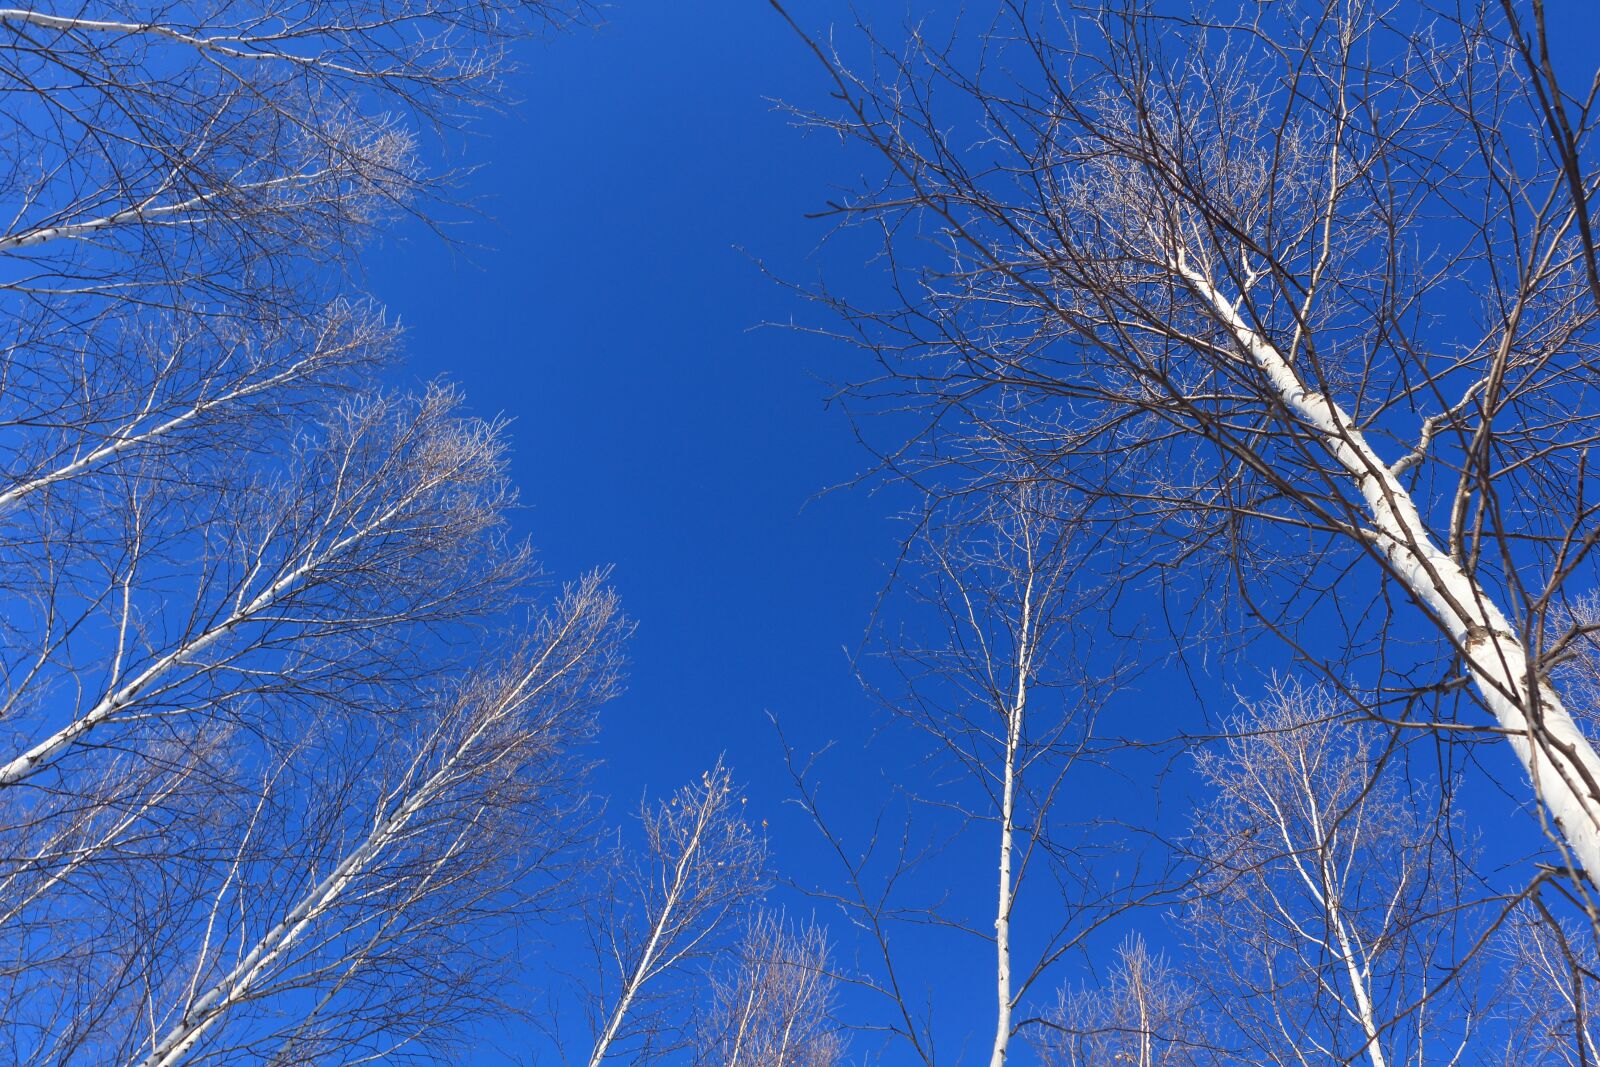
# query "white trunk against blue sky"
(428, 778)
(356, 519)
(1023, 667)
(1562, 765)
(648, 965)
(700, 862)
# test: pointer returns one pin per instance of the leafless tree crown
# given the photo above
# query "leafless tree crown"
(1301, 296)
(1299, 302)
(663, 913)
(286, 726)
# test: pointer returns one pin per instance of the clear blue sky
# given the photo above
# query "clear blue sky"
(612, 309)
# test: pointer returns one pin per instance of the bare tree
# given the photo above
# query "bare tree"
(307, 578)
(175, 647)
(1330, 920)
(774, 1005)
(1147, 1014)
(664, 909)
(1547, 989)
(270, 756)
(988, 657)
(1295, 292)
(997, 689)
(187, 187)
(334, 901)
(280, 748)
(159, 154)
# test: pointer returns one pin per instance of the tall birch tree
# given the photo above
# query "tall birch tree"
(1546, 993)
(287, 719)
(1146, 1013)
(985, 663)
(997, 690)
(1301, 294)
(773, 1004)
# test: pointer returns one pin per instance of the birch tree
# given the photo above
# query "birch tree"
(159, 155)
(993, 682)
(175, 648)
(663, 911)
(1331, 921)
(187, 187)
(214, 794)
(332, 903)
(1300, 294)
(1146, 1014)
(286, 717)
(773, 1005)
(1547, 989)
(984, 652)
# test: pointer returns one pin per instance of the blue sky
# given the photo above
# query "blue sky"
(610, 312)
(612, 308)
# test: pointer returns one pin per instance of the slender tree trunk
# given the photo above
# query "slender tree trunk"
(1145, 1058)
(41, 754)
(131, 437)
(641, 972)
(1331, 895)
(744, 1024)
(210, 1007)
(1358, 983)
(144, 213)
(1002, 917)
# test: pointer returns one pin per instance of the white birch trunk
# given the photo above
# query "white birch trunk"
(38, 756)
(144, 213)
(207, 1009)
(217, 45)
(129, 437)
(744, 1024)
(211, 1006)
(641, 972)
(1561, 763)
(1002, 918)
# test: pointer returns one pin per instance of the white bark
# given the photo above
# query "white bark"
(1145, 1057)
(204, 1011)
(1561, 763)
(643, 970)
(1327, 889)
(744, 1024)
(773, 1007)
(1007, 893)
(147, 212)
(131, 436)
(42, 753)
(228, 46)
